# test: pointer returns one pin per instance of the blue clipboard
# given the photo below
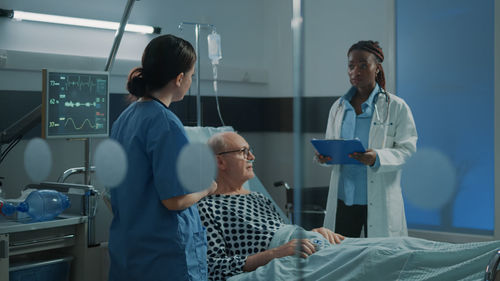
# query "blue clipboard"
(339, 150)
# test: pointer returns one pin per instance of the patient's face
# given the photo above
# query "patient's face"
(238, 167)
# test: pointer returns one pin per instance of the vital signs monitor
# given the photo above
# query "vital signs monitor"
(75, 104)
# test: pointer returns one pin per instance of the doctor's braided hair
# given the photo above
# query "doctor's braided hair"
(374, 48)
(164, 58)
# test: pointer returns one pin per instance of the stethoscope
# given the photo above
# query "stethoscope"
(380, 122)
(388, 101)
(381, 91)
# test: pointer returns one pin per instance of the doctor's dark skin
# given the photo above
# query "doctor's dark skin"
(362, 70)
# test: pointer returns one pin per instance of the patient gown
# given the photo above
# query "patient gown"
(237, 226)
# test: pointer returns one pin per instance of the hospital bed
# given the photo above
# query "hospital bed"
(373, 258)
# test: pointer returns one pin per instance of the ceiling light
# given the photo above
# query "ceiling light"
(20, 15)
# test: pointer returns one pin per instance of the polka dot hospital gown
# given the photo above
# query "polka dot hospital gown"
(237, 226)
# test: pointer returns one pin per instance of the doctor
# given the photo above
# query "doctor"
(368, 196)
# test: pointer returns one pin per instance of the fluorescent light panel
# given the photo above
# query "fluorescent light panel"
(20, 15)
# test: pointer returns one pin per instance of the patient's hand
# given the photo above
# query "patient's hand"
(259, 259)
(288, 249)
(333, 237)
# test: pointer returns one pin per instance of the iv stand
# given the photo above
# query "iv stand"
(298, 92)
(197, 51)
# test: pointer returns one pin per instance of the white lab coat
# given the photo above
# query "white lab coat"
(393, 136)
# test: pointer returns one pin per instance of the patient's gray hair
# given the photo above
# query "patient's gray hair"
(217, 143)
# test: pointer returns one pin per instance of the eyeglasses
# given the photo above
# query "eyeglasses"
(246, 151)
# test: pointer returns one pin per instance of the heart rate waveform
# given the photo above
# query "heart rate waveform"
(82, 82)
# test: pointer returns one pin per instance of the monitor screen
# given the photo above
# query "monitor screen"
(75, 104)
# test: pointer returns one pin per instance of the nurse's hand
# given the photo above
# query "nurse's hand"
(212, 188)
(322, 159)
(182, 202)
(367, 158)
(332, 237)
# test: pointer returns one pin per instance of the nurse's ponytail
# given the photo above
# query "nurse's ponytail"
(164, 58)
(374, 48)
(136, 85)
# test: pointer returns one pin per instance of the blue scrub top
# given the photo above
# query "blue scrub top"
(353, 178)
(148, 241)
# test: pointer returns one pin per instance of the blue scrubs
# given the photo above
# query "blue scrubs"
(148, 241)
(353, 178)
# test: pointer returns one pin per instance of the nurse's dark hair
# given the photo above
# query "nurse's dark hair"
(164, 58)
(374, 48)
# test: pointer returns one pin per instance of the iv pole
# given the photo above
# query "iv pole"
(298, 92)
(197, 51)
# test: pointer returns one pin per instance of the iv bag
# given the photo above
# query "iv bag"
(214, 49)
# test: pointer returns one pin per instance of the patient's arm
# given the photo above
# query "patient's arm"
(184, 201)
(284, 250)
(333, 237)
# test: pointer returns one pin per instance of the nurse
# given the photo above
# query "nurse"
(368, 196)
(156, 233)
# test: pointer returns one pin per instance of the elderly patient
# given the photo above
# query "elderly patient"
(240, 224)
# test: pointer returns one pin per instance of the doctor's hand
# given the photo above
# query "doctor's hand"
(322, 159)
(367, 158)
(333, 237)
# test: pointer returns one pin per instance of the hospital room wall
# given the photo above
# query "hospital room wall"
(256, 63)
(27, 47)
(47, 38)
(256, 36)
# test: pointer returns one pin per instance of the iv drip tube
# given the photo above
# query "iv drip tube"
(214, 69)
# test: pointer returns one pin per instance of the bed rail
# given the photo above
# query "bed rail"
(492, 268)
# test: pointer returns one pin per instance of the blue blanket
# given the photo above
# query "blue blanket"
(395, 258)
